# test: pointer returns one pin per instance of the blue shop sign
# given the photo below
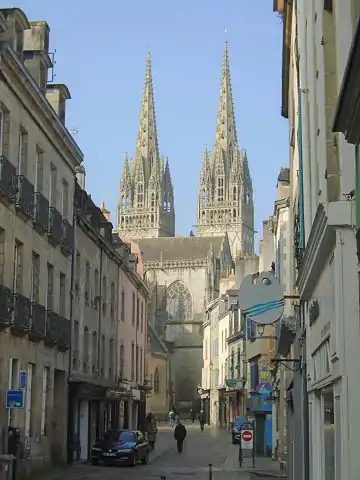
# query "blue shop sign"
(15, 399)
(261, 403)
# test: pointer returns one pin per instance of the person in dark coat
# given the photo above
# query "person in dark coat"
(180, 434)
(202, 420)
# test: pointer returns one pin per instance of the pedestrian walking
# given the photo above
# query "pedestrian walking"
(202, 419)
(171, 418)
(151, 430)
(177, 419)
(192, 415)
(180, 434)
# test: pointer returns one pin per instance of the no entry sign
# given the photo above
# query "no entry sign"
(247, 439)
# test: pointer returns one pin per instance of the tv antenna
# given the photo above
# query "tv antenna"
(52, 68)
(74, 132)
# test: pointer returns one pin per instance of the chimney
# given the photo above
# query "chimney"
(105, 212)
(57, 95)
(13, 23)
(36, 52)
(80, 176)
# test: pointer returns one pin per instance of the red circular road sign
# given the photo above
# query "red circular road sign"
(247, 436)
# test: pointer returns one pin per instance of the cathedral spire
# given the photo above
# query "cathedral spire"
(226, 137)
(147, 142)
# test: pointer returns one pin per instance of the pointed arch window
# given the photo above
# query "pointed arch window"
(203, 198)
(220, 185)
(235, 194)
(247, 198)
(156, 381)
(140, 195)
(179, 302)
(153, 200)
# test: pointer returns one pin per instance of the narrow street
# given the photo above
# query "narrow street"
(201, 448)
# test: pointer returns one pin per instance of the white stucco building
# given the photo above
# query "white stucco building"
(317, 39)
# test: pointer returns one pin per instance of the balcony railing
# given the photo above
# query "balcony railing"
(55, 228)
(24, 196)
(67, 238)
(5, 306)
(7, 179)
(57, 330)
(41, 212)
(38, 321)
(21, 314)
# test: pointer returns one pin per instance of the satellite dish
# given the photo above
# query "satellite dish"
(261, 298)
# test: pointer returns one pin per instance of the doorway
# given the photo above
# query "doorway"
(259, 434)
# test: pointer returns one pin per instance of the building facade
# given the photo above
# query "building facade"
(38, 160)
(317, 39)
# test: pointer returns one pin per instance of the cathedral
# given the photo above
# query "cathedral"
(184, 273)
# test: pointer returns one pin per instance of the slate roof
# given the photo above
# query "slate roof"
(156, 344)
(178, 248)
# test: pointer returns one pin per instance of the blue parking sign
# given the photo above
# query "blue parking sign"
(15, 399)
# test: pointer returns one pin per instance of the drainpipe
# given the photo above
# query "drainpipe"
(71, 397)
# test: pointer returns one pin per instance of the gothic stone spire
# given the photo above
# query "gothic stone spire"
(226, 137)
(146, 203)
(225, 191)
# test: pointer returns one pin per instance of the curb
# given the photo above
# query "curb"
(268, 475)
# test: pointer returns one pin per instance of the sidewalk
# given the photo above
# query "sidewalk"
(265, 467)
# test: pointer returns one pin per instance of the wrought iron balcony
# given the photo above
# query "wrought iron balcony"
(57, 330)
(67, 238)
(7, 179)
(5, 306)
(55, 227)
(41, 212)
(21, 314)
(24, 196)
(38, 321)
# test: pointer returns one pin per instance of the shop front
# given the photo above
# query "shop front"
(205, 403)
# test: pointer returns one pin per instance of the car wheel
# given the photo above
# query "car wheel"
(94, 461)
(145, 460)
(134, 460)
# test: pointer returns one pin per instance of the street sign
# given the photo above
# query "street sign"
(15, 399)
(261, 298)
(22, 379)
(247, 438)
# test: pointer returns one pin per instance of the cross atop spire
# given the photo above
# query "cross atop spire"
(226, 136)
(147, 142)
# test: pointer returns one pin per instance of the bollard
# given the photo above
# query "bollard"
(210, 471)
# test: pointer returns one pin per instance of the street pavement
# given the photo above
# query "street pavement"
(212, 446)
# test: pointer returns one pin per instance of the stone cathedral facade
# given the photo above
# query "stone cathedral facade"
(184, 272)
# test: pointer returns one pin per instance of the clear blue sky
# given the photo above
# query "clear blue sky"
(101, 52)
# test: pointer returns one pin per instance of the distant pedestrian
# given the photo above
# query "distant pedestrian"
(171, 418)
(177, 419)
(202, 419)
(192, 415)
(151, 430)
(180, 434)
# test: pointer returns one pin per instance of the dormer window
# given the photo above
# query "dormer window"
(18, 43)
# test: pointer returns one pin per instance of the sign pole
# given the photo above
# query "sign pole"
(253, 451)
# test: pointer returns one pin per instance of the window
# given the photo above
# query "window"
(141, 376)
(254, 375)
(4, 131)
(112, 301)
(23, 152)
(179, 302)
(220, 184)
(18, 266)
(65, 200)
(2, 255)
(86, 349)
(87, 282)
(111, 358)
(140, 194)
(156, 381)
(137, 364)
(96, 285)
(104, 294)
(50, 287)
(132, 361)
(77, 272)
(142, 317)
(30, 399)
(76, 344)
(102, 354)
(44, 405)
(53, 186)
(122, 360)
(62, 295)
(39, 172)
(133, 308)
(35, 277)
(122, 305)
(94, 352)
(137, 313)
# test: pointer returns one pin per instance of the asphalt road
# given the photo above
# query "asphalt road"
(200, 449)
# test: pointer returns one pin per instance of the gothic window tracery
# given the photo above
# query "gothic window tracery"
(220, 189)
(140, 194)
(203, 198)
(234, 194)
(179, 302)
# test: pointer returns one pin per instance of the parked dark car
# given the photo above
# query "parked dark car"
(235, 429)
(121, 447)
